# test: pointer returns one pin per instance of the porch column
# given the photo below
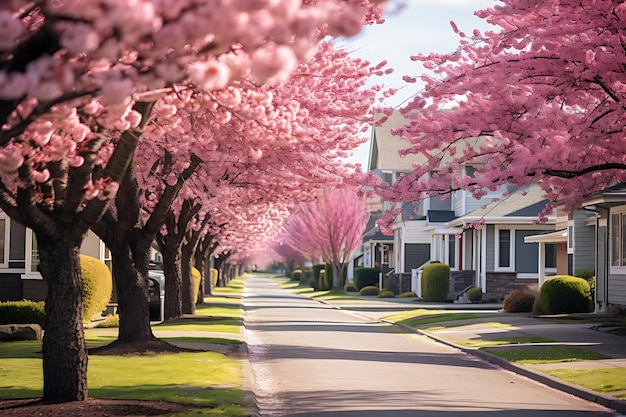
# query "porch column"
(541, 267)
(483, 260)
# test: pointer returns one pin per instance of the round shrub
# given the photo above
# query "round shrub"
(22, 312)
(565, 294)
(519, 301)
(408, 294)
(386, 294)
(97, 286)
(351, 288)
(296, 274)
(435, 282)
(475, 294)
(196, 276)
(369, 290)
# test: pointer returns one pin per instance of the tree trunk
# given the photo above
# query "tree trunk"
(187, 290)
(64, 350)
(133, 299)
(173, 280)
(337, 275)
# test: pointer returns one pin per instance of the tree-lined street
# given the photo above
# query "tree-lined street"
(310, 359)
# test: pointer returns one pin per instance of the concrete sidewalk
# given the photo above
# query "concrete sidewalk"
(562, 333)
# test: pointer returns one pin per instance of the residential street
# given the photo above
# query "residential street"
(309, 359)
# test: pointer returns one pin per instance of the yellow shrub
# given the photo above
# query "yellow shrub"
(196, 276)
(97, 286)
(214, 276)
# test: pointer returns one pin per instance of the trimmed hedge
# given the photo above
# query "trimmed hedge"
(307, 276)
(364, 277)
(97, 286)
(196, 276)
(386, 294)
(296, 274)
(22, 312)
(369, 290)
(435, 282)
(566, 294)
(324, 284)
(351, 288)
(214, 277)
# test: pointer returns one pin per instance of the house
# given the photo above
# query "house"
(19, 278)
(494, 258)
(609, 230)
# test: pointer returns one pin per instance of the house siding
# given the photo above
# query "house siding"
(585, 246)
(617, 289)
(35, 289)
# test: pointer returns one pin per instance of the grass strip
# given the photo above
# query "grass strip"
(607, 380)
(547, 354)
(422, 317)
(501, 341)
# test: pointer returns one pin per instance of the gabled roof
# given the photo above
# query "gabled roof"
(521, 207)
(613, 195)
(385, 147)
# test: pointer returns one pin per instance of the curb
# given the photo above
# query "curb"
(580, 392)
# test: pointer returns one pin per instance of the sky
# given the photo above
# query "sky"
(422, 26)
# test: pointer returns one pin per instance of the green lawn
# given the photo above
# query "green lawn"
(499, 341)
(422, 317)
(210, 380)
(547, 354)
(609, 380)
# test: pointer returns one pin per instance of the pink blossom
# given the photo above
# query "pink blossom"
(11, 159)
(210, 75)
(11, 29)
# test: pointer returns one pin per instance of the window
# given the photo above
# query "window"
(3, 240)
(34, 253)
(451, 251)
(618, 239)
(504, 249)
(550, 256)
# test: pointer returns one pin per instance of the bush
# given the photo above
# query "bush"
(97, 286)
(112, 320)
(475, 294)
(196, 277)
(214, 277)
(22, 312)
(408, 294)
(324, 284)
(588, 275)
(296, 274)
(519, 301)
(364, 277)
(386, 294)
(351, 288)
(435, 282)
(307, 276)
(369, 290)
(565, 294)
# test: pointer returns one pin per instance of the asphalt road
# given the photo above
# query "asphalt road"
(309, 359)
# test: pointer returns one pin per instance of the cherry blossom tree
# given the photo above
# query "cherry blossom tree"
(73, 77)
(540, 98)
(330, 227)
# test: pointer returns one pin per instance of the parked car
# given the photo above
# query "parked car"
(156, 292)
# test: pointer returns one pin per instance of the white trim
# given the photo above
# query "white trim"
(7, 240)
(511, 266)
(527, 275)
